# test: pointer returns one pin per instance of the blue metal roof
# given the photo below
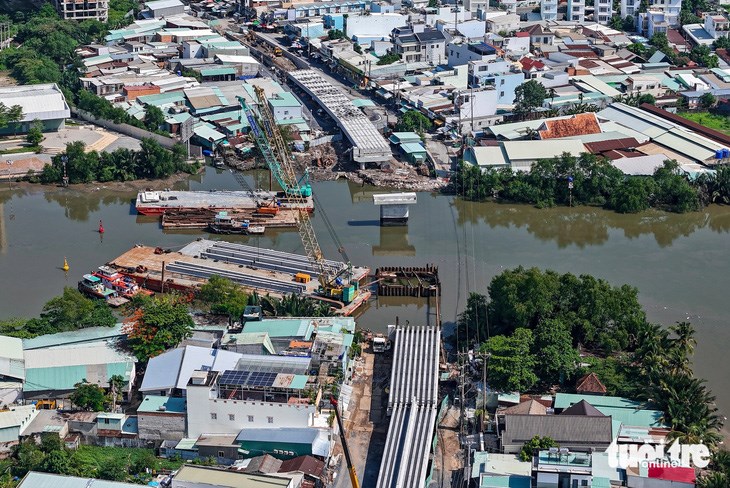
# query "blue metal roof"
(90, 334)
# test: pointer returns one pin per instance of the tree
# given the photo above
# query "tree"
(529, 96)
(70, 311)
(647, 98)
(707, 100)
(28, 456)
(472, 324)
(633, 196)
(389, 58)
(224, 297)
(713, 480)
(555, 356)
(88, 396)
(357, 48)
(511, 364)
(536, 443)
(157, 324)
(115, 470)
(35, 133)
(721, 43)
(56, 462)
(116, 384)
(10, 115)
(334, 34)
(413, 121)
(628, 24)
(433, 3)
(153, 118)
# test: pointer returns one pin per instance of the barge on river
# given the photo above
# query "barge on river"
(161, 202)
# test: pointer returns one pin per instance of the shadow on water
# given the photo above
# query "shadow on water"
(587, 226)
(363, 223)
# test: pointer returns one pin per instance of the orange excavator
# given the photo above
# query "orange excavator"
(350, 467)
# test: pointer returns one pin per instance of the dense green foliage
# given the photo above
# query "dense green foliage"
(104, 109)
(10, 115)
(35, 133)
(109, 463)
(290, 306)
(88, 396)
(334, 34)
(595, 182)
(413, 121)
(151, 161)
(70, 311)
(529, 96)
(542, 317)
(536, 443)
(389, 58)
(158, 323)
(224, 297)
(511, 364)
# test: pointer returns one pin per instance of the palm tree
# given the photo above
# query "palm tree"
(682, 347)
(713, 480)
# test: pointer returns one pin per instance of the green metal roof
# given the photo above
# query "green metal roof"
(300, 327)
(187, 445)
(284, 99)
(505, 482)
(217, 71)
(47, 480)
(162, 99)
(413, 148)
(599, 482)
(153, 403)
(298, 382)
(565, 400)
(401, 137)
(633, 417)
(363, 102)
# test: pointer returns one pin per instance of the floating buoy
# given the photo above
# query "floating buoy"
(101, 227)
(66, 267)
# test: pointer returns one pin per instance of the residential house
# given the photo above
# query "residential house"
(603, 11)
(161, 418)
(577, 125)
(505, 77)
(590, 384)
(533, 69)
(371, 26)
(626, 411)
(576, 11)
(89, 10)
(539, 35)
(503, 23)
(460, 53)
(713, 27)
(549, 10)
(659, 17)
(559, 467)
(427, 46)
(312, 468)
(162, 8)
(571, 432)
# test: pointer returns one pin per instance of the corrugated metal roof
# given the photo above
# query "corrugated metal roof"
(16, 416)
(300, 327)
(173, 369)
(227, 479)
(162, 371)
(528, 150)
(44, 102)
(11, 347)
(217, 71)
(78, 336)
(412, 147)
(47, 480)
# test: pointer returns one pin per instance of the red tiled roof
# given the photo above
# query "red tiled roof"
(522, 34)
(306, 464)
(679, 474)
(588, 64)
(578, 125)
(590, 384)
(529, 63)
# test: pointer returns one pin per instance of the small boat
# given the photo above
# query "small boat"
(124, 285)
(92, 286)
(225, 224)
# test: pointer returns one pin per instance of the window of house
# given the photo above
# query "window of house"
(213, 416)
(250, 418)
(501, 94)
(501, 82)
(231, 417)
(221, 454)
(270, 419)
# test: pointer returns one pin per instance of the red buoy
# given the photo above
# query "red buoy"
(101, 227)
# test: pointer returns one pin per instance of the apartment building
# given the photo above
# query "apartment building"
(576, 11)
(83, 9)
(603, 11)
(549, 9)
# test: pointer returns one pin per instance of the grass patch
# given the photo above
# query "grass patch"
(91, 459)
(18, 150)
(718, 122)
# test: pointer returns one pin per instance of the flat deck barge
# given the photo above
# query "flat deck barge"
(201, 219)
(161, 202)
(255, 269)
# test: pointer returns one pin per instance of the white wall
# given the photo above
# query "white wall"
(201, 407)
(516, 45)
(484, 103)
(281, 113)
(379, 25)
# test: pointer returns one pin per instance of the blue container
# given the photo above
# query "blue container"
(718, 154)
(726, 153)
(207, 152)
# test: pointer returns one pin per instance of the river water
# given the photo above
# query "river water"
(679, 263)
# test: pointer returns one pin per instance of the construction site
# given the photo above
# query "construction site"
(262, 270)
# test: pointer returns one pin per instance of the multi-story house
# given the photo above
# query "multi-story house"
(502, 75)
(603, 11)
(576, 11)
(426, 46)
(549, 9)
(660, 16)
(83, 10)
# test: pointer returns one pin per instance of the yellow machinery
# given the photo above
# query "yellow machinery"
(334, 283)
(350, 467)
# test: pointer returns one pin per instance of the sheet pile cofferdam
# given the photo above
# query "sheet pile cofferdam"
(412, 404)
